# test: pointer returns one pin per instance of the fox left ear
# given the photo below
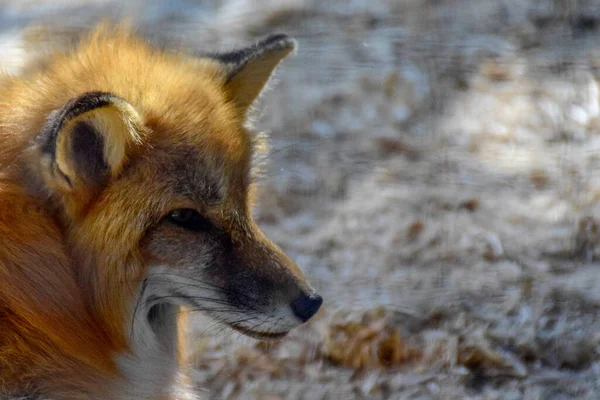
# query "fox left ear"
(248, 70)
(85, 143)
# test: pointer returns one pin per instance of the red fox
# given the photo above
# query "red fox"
(126, 196)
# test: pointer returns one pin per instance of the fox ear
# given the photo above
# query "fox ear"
(85, 143)
(248, 70)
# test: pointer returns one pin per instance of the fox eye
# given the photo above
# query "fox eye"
(189, 219)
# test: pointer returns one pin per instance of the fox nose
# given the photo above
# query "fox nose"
(306, 306)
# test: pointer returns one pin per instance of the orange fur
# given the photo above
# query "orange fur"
(40, 308)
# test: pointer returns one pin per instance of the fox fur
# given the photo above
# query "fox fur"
(101, 147)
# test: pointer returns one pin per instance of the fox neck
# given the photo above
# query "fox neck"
(152, 365)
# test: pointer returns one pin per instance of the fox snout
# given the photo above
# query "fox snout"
(262, 276)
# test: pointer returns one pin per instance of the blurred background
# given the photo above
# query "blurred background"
(435, 171)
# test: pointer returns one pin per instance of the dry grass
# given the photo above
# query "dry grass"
(370, 343)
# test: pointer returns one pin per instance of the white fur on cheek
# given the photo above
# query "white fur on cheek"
(151, 370)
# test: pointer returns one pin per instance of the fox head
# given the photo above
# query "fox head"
(145, 158)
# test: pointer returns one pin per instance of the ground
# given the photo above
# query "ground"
(435, 172)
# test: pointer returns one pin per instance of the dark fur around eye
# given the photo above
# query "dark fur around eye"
(189, 219)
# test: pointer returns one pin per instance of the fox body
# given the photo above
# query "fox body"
(125, 201)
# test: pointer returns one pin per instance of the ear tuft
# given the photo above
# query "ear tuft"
(248, 70)
(85, 142)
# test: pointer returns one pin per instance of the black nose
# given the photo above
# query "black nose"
(306, 306)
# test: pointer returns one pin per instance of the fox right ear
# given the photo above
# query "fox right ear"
(84, 143)
(248, 70)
